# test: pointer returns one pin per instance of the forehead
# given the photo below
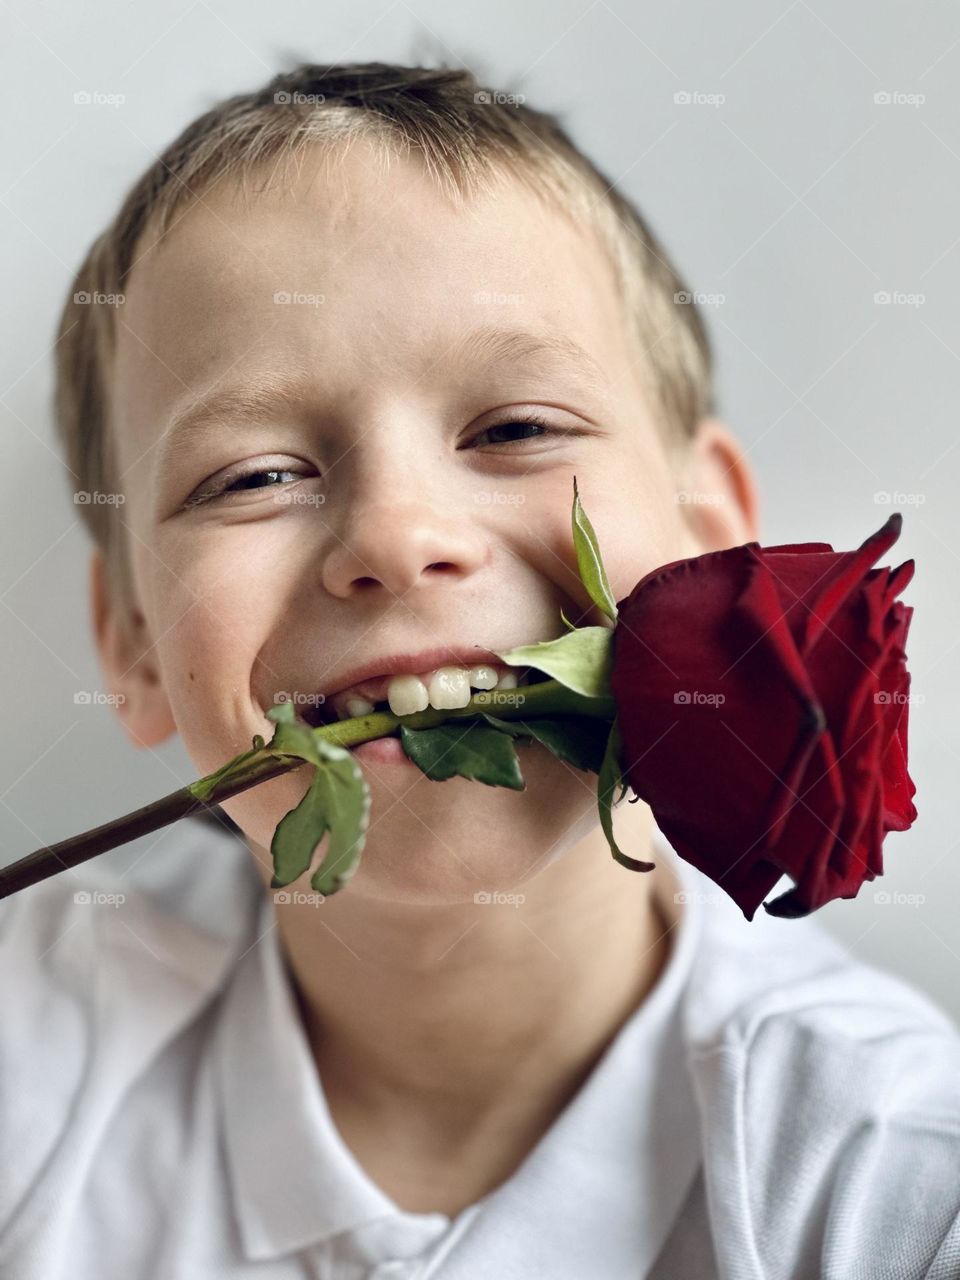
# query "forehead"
(360, 273)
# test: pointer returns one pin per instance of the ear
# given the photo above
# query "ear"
(716, 489)
(129, 663)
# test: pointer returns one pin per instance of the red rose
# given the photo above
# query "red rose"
(762, 705)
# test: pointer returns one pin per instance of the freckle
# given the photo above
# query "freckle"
(192, 676)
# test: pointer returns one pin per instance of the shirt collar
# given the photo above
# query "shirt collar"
(613, 1168)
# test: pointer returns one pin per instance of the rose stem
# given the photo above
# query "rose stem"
(251, 768)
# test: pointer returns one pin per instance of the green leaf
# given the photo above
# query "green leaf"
(592, 573)
(337, 801)
(474, 751)
(578, 740)
(581, 660)
(608, 781)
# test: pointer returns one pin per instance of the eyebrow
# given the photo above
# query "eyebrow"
(253, 403)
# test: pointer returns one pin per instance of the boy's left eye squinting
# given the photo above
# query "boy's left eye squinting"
(543, 428)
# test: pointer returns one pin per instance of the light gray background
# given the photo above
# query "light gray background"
(798, 197)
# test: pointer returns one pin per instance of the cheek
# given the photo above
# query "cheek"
(210, 622)
(638, 526)
(636, 539)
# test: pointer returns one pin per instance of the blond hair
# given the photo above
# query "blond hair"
(466, 135)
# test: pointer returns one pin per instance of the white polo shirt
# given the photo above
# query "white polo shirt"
(773, 1111)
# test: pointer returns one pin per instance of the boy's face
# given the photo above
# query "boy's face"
(398, 520)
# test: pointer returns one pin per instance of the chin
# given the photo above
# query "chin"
(440, 843)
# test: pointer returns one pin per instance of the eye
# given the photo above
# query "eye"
(534, 425)
(245, 482)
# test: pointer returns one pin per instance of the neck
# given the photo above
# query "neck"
(451, 1027)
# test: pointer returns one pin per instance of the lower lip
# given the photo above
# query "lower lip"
(381, 751)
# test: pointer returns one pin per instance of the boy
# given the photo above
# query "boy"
(375, 319)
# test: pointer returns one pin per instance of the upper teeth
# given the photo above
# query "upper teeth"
(443, 689)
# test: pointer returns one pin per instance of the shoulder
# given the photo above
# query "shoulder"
(102, 967)
(190, 891)
(830, 1092)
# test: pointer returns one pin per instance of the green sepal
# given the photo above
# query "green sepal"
(592, 573)
(581, 660)
(203, 787)
(610, 778)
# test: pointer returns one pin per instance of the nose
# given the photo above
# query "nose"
(401, 545)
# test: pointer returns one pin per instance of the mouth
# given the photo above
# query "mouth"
(444, 688)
